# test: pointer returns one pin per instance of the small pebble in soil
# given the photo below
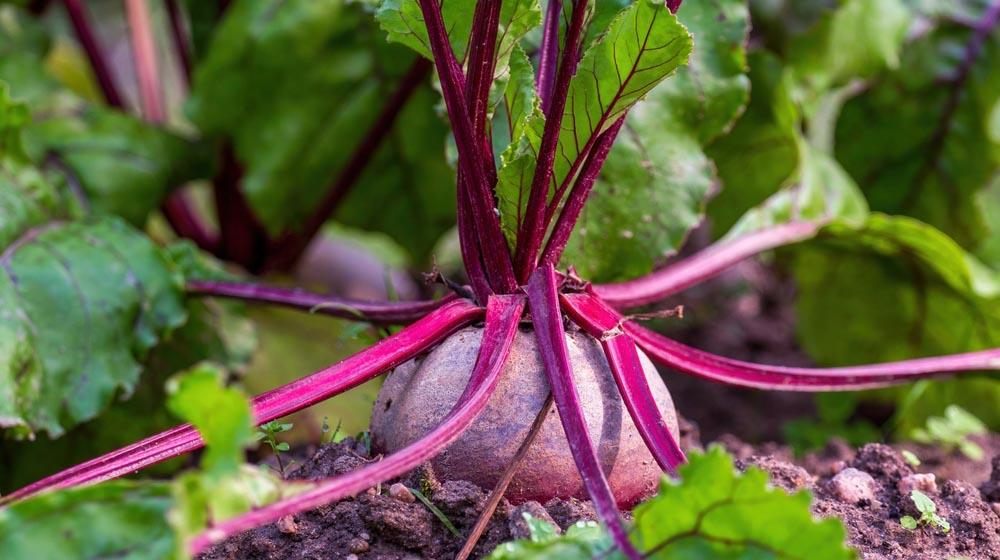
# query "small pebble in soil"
(358, 546)
(925, 482)
(287, 525)
(784, 475)
(399, 491)
(853, 486)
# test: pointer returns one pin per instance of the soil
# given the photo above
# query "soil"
(388, 523)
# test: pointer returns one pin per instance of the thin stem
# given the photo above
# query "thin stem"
(307, 391)
(482, 50)
(579, 194)
(243, 239)
(503, 314)
(469, 243)
(289, 248)
(95, 53)
(588, 312)
(496, 257)
(501, 486)
(176, 208)
(482, 47)
(179, 213)
(381, 312)
(182, 44)
(543, 300)
(532, 230)
(146, 67)
(703, 364)
(703, 265)
(548, 55)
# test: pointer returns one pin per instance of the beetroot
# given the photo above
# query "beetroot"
(418, 394)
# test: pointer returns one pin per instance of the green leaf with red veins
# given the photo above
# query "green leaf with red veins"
(643, 45)
(654, 185)
(518, 125)
(403, 22)
(920, 140)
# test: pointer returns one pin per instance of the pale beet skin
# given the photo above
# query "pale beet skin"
(419, 393)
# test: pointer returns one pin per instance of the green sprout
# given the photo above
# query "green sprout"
(437, 512)
(928, 514)
(330, 436)
(268, 434)
(951, 432)
(911, 458)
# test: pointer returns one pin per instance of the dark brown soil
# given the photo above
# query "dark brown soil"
(387, 523)
(871, 513)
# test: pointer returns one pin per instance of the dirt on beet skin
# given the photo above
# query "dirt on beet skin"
(868, 488)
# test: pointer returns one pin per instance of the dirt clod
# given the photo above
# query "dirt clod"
(852, 486)
(881, 460)
(924, 482)
(783, 474)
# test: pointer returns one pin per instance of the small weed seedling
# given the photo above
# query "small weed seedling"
(268, 434)
(437, 512)
(928, 514)
(911, 458)
(330, 436)
(952, 431)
